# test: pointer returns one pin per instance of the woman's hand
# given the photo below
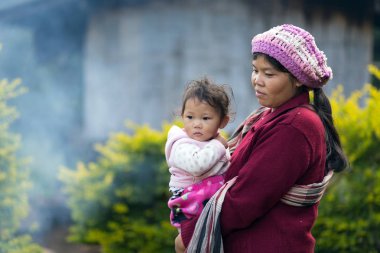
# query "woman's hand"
(179, 246)
(222, 140)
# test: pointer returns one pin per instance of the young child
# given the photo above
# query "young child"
(197, 155)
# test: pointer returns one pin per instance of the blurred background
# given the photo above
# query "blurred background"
(89, 65)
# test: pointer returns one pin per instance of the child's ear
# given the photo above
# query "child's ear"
(224, 122)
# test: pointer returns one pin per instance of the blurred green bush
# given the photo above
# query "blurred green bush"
(120, 201)
(349, 213)
(14, 178)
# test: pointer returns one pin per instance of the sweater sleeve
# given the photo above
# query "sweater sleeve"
(197, 160)
(273, 166)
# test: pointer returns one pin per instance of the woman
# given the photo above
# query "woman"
(289, 145)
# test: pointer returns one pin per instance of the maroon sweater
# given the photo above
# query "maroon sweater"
(284, 148)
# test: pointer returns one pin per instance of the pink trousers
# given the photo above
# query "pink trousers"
(192, 200)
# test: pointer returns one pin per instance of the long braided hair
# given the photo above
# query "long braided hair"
(335, 157)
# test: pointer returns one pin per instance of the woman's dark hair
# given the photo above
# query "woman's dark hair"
(278, 66)
(206, 91)
(335, 158)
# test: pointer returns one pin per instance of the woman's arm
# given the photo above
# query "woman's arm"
(276, 162)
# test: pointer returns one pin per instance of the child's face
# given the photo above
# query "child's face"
(201, 120)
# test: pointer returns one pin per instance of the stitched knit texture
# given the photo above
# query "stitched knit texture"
(296, 50)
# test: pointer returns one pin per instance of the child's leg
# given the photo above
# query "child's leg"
(179, 246)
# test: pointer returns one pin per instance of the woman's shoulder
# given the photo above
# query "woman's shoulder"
(305, 119)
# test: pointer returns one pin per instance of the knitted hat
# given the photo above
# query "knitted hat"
(296, 50)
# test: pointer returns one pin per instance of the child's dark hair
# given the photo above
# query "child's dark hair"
(335, 158)
(217, 96)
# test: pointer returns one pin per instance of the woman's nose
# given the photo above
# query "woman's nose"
(256, 79)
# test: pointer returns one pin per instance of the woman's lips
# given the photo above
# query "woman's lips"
(259, 93)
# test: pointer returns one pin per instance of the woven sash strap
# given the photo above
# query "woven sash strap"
(306, 195)
(207, 237)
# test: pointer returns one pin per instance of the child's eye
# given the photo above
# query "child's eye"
(189, 117)
(206, 118)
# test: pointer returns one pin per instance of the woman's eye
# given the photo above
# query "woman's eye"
(269, 74)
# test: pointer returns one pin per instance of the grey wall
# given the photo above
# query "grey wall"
(138, 59)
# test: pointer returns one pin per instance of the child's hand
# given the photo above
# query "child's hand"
(222, 140)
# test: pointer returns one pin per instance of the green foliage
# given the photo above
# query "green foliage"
(120, 201)
(14, 178)
(349, 214)
(19, 244)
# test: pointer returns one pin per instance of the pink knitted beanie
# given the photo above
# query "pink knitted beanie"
(296, 50)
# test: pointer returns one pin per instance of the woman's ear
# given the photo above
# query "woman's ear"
(298, 84)
(294, 81)
(224, 122)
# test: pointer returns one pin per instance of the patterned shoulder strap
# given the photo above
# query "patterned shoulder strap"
(244, 127)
